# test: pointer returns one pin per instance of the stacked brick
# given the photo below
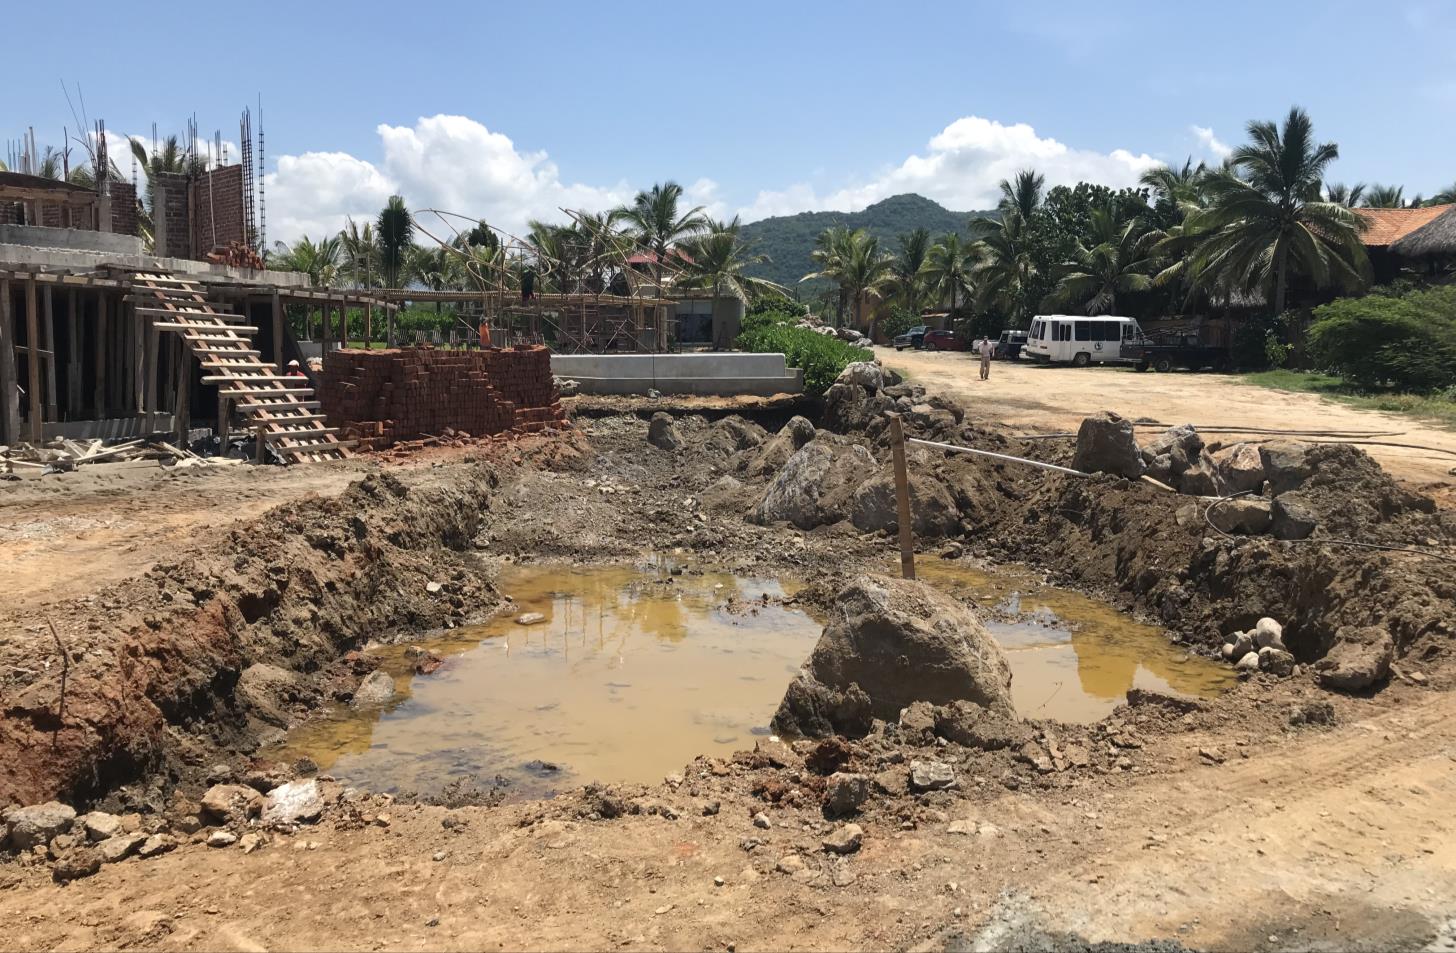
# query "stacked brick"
(397, 395)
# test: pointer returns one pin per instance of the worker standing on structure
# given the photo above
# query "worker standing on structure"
(528, 286)
(484, 333)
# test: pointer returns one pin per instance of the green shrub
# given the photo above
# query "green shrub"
(1406, 342)
(1258, 343)
(822, 356)
(778, 304)
(897, 322)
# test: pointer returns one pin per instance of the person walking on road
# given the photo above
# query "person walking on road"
(986, 348)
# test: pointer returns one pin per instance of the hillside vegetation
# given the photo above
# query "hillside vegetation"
(788, 240)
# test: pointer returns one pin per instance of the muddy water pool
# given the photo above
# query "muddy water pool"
(637, 669)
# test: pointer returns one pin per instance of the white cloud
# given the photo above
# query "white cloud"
(962, 168)
(705, 193)
(1211, 143)
(450, 163)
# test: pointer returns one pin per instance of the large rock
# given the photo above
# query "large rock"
(1202, 478)
(1105, 444)
(798, 492)
(231, 803)
(1360, 658)
(875, 508)
(1286, 465)
(269, 691)
(975, 727)
(1241, 469)
(1249, 517)
(377, 688)
(34, 826)
(851, 408)
(297, 802)
(1293, 517)
(662, 432)
(99, 825)
(902, 641)
(1181, 445)
(813, 710)
(845, 793)
(865, 374)
(734, 435)
(771, 455)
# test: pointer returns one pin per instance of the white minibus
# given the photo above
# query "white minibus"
(1080, 340)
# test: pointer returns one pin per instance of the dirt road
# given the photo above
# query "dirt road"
(1028, 398)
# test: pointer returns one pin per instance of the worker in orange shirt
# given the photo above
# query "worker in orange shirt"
(484, 334)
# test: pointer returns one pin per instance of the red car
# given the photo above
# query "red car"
(942, 341)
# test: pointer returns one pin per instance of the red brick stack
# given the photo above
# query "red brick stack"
(402, 394)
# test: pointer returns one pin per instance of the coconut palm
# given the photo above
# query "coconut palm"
(437, 269)
(655, 220)
(1385, 196)
(1117, 261)
(1266, 220)
(865, 272)
(1178, 185)
(360, 253)
(909, 263)
(1023, 193)
(719, 259)
(1347, 195)
(948, 269)
(319, 261)
(1007, 270)
(831, 249)
(395, 230)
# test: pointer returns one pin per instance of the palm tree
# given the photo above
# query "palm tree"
(909, 280)
(437, 269)
(719, 259)
(1005, 276)
(1116, 262)
(654, 220)
(1347, 195)
(1444, 197)
(1022, 194)
(396, 231)
(863, 272)
(360, 252)
(319, 261)
(1385, 196)
(1176, 185)
(1266, 220)
(948, 269)
(831, 249)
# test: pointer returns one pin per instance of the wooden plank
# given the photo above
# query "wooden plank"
(236, 378)
(9, 382)
(32, 332)
(264, 406)
(177, 326)
(270, 392)
(902, 498)
(191, 334)
(294, 434)
(240, 365)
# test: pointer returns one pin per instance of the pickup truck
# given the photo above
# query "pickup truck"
(914, 337)
(1163, 356)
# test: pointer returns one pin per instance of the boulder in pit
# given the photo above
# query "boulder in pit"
(933, 512)
(1243, 515)
(902, 641)
(1105, 444)
(662, 432)
(1360, 659)
(801, 491)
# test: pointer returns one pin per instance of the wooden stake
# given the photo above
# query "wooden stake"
(9, 381)
(184, 394)
(224, 423)
(32, 336)
(260, 446)
(902, 498)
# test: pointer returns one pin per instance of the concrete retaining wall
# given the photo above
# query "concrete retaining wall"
(74, 238)
(722, 373)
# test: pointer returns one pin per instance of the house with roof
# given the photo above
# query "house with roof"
(1422, 239)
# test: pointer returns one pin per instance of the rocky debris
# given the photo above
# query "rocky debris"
(917, 723)
(1035, 755)
(975, 727)
(931, 776)
(156, 844)
(297, 802)
(845, 794)
(1241, 469)
(269, 691)
(851, 408)
(902, 641)
(1316, 712)
(231, 803)
(1268, 633)
(761, 821)
(867, 374)
(1360, 658)
(1245, 515)
(799, 492)
(1105, 444)
(790, 864)
(734, 435)
(116, 849)
(566, 387)
(662, 432)
(1261, 649)
(98, 825)
(1286, 465)
(530, 618)
(1292, 517)
(814, 710)
(1169, 455)
(250, 842)
(221, 838)
(1202, 479)
(1276, 662)
(933, 510)
(75, 864)
(844, 840)
(828, 756)
(37, 825)
(377, 688)
(1248, 663)
(770, 455)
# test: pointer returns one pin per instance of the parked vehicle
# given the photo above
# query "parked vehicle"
(1078, 340)
(1008, 348)
(942, 341)
(1185, 351)
(911, 338)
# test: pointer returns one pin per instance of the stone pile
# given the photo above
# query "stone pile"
(1261, 649)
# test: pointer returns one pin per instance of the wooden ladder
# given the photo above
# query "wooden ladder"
(282, 407)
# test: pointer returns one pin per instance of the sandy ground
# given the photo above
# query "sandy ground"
(1335, 839)
(1030, 398)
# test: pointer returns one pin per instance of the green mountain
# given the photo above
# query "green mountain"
(788, 239)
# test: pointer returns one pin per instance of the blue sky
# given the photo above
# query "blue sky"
(513, 110)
